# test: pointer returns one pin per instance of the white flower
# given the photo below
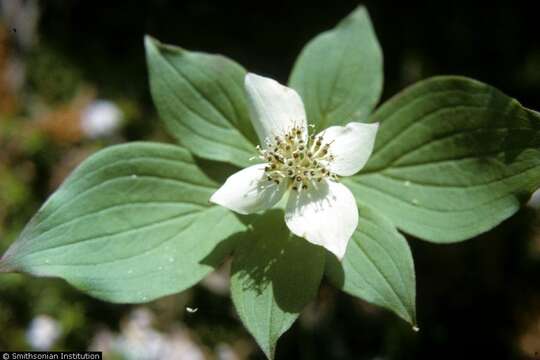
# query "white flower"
(319, 208)
(534, 201)
(43, 332)
(101, 118)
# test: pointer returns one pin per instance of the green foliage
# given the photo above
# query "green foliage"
(378, 266)
(339, 74)
(453, 158)
(52, 75)
(201, 99)
(274, 275)
(129, 225)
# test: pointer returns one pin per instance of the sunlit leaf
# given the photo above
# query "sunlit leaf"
(378, 266)
(202, 101)
(129, 225)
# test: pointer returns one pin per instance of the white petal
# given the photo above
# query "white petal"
(248, 191)
(325, 214)
(275, 109)
(351, 146)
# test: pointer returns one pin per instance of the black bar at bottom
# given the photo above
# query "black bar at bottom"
(51, 355)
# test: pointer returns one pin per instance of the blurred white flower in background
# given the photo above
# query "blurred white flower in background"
(534, 201)
(138, 340)
(101, 118)
(218, 282)
(225, 352)
(43, 332)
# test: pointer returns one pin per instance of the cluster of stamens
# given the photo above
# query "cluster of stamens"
(295, 160)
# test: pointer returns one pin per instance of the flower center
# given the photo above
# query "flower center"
(290, 158)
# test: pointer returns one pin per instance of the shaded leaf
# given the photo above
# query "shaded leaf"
(274, 276)
(453, 158)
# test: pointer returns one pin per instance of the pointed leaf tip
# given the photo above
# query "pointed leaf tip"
(201, 99)
(339, 73)
(128, 226)
(148, 38)
(360, 9)
(378, 266)
(268, 287)
(150, 42)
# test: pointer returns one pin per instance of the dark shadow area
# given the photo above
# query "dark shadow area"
(216, 170)
(334, 269)
(475, 299)
(268, 256)
(222, 250)
(523, 128)
(480, 294)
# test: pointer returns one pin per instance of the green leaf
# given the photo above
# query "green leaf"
(339, 74)
(453, 158)
(129, 225)
(274, 275)
(378, 266)
(201, 99)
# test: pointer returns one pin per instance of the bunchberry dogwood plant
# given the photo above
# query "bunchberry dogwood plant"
(319, 208)
(444, 160)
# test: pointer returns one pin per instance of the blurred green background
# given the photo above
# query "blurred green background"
(73, 80)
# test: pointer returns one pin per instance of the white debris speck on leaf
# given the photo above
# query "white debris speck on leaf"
(43, 332)
(416, 328)
(101, 118)
(191, 310)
